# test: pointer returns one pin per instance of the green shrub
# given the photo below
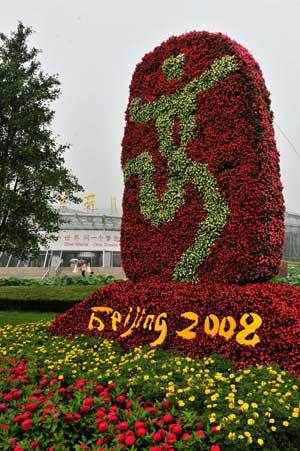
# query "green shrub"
(64, 280)
(44, 298)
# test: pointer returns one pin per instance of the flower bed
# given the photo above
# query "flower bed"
(257, 323)
(87, 393)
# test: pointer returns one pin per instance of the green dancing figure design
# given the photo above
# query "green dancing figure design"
(181, 169)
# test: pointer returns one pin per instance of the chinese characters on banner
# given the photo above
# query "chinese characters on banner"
(87, 240)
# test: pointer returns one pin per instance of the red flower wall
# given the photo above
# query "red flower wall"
(277, 305)
(235, 138)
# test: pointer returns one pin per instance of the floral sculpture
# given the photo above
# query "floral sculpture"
(203, 215)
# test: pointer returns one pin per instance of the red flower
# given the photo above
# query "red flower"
(186, 436)
(84, 409)
(171, 438)
(68, 418)
(120, 437)
(123, 426)
(103, 426)
(166, 404)
(130, 440)
(168, 418)
(34, 444)
(141, 432)
(26, 424)
(31, 407)
(175, 429)
(121, 399)
(215, 448)
(76, 416)
(88, 401)
(112, 417)
(200, 433)
(139, 424)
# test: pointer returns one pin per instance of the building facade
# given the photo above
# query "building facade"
(95, 239)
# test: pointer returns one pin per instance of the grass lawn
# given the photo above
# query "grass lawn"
(15, 317)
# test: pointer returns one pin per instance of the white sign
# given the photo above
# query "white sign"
(86, 240)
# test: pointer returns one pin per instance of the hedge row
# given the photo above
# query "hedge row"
(44, 298)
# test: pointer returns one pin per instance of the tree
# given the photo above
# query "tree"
(32, 167)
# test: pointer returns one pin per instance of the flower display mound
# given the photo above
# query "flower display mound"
(252, 324)
(203, 197)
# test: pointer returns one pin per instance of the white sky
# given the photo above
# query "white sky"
(94, 46)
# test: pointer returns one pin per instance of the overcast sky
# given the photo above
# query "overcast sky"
(94, 46)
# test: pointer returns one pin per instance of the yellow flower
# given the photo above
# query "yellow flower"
(273, 428)
(285, 423)
(192, 398)
(247, 434)
(181, 403)
(251, 422)
(260, 442)
(231, 435)
(61, 377)
(244, 407)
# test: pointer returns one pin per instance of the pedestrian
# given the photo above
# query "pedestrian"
(83, 269)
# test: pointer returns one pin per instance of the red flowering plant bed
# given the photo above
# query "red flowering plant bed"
(57, 393)
(203, 198)
(256, 323)
(50, 415)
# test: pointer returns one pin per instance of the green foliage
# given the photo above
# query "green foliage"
(32, 171)
(98, 279)
(44, 298)
(293, 277)
(15, 317)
